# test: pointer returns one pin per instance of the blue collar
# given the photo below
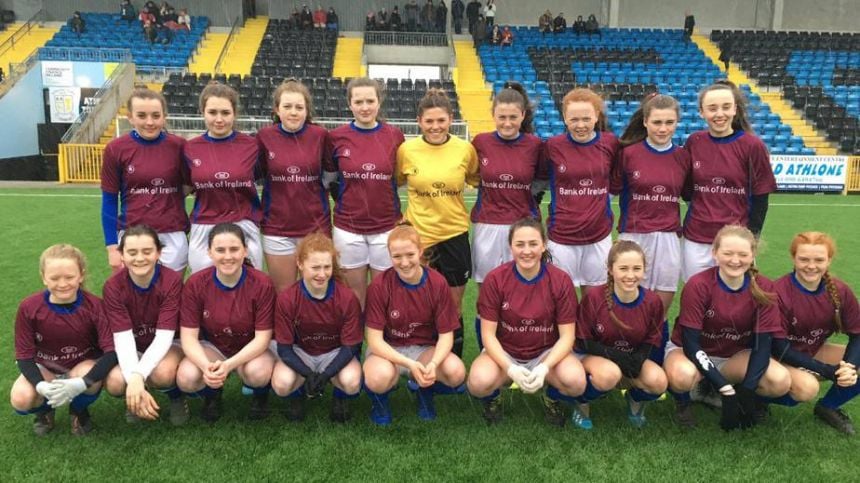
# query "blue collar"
(151, 282)
(292, 133)
(649, 147)
(416, 286)
(147, 142)
(220, 285)
(329, 291)
(587, 143)
(508, 141)
(629, 305)
(209, 138)
(728, 289)
(526, 281)
(725, 140)
(803, 289)
(64, 309)
(356, 128)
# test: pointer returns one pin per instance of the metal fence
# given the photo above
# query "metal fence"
(420, 39)
(23, 30)
(852, 178)
(93, 120)
(85, 54)
(16, 72)
(80, 163)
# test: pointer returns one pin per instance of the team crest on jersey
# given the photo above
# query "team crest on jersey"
(438, 185)
(346, 152)
(196, 162)
(506, 305)
(368, 166)
(600, 328)
(586, 182)
(635, 174)
(293, 170)
(227, 331)
(271, 155)
(157, 182)
(506, 177)
(130, 169)
(69, 349)
(206, 314)
(38, 337)
(484, 161)
(222, 175)
(659, 189)
(709, 314)
(794, 321)
(622, 344)
(562, 168)
(718, 181)
(395, 314)
(527, 321)
(697, 164)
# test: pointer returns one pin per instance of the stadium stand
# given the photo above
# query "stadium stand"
(286, 52)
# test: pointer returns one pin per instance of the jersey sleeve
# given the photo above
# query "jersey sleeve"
(264, 306)
(444, 311)
(489, 299)
(785, 316)
(375, 308)
(262, 157)
(473, 177)
(565, 301)
(769, 317)
(694, 303)
(403, 165)
(545, 165)
(350, 332)
(588, 313)
(25, 335)
(190, 309)
(850, 310)
(102, 327)
(616, 175)
(763, 180)
(110, 178)
(168, 314)
(329, 163)
(284, 311)
(656, 320)
(115, 312)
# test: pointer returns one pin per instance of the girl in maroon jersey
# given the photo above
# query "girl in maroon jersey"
(226, 324)
(141, 305)
(361, 173)
(411, 319)
(580, 163)
(724, 332)
(295, 203)
(528, 310)
(814, 305)
(620, 326)
(318, 332)
(63, 346)
(731, 175)
(222, 168)
(650, 178)
(143, 169)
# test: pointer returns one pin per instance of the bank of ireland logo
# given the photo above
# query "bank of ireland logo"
(659, 189)
(718, 181)
(438, 185)
(227, 331)
(527, 322)
(293, 170)
(368, 166)
(157, 182)
(506, 177)
(395, 314)
(816, 333)
(222, 175)
(69, 349)
(586, 182)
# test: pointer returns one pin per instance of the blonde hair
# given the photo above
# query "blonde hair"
(63, 251)
(744, 233)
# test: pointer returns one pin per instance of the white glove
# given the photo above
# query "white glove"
(71, 388)
(48, 390)
(536, 379)
(518, 374)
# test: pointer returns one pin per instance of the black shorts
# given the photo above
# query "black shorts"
(452, 258)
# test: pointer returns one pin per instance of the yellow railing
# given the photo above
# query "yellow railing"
(852, 178)
(80, 163)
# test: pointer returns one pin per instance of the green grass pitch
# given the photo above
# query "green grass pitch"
(791, 445)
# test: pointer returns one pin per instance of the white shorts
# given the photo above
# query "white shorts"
(586, 264)
(696, 257)
(174, 251)
(273, 348)
(198, 245)
(490, 248)
(316, 363)
(362, 250)
(280, 245)
(528, 363)
(719, 362)
(409, 351)
(662, 258)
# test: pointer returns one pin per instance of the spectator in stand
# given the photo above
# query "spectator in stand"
(428, 16)
(146, 17)
(149, 31)
(559, 25)
(496, 35)
(370, 21)
(473, 10)
(331, 20)
(127, 11)
(171, 20)
(296, 19)
(77, 23)
(394, 21)
(689, 24)
(2, 75)
(307, 18)
(152, 8)
(319, 18)
(164, 10)
(410, 12)
(490, 12)
(591, 25)
(579, 25)
(457, 9)
(545, 22)
(479, 32)
(507, 37)
(441, 16)
(183, 19)
(382, 19)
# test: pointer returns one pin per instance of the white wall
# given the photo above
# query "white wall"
(838, 15)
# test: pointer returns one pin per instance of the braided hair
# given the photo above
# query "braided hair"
(618, 248)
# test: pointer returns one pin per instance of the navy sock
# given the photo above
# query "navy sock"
(639, 395)
(172, 393)
(82, 401)
(300, 392)
(553, 393)
(259, 391)
(683, 397)
(493, 395)
(658, 356)
(837, 396)
(785, 400)
(591, 393)
(478, 334)
(444, 389)
(36, 410)
(377, 398)
(338, 393)
(208, 392)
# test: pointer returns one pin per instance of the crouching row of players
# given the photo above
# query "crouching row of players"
(753, 341)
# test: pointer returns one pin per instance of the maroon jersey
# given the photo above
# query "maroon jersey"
(650, 184)
(228, 316)
(61, 336)
(295, 202)
(726, 173)
(365, 161)
(143, 310)
(411, 314)
(316, 325)
(727, 318)
(147, 176)
(507, 169)
(807, 316)
(222, 173)
(579, 212)
(643, 316)
(527, 311)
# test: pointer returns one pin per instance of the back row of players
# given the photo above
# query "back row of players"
(727, 181)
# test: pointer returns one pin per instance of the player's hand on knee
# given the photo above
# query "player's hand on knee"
(519, 374)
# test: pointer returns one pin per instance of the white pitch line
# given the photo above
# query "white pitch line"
(467, 198)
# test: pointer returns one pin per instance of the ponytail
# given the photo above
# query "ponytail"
(610, 302)
(833, 293)
(759, 294)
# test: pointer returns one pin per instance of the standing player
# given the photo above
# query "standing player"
(363, 159)
(723, 334)
(141, 305)
(411, 321)
(222, 168)
(731, 175)
(141, 177)
(528, 309)
(295, 202)
(815, 305)
(318, 330)
(620, 327)
(650, 179)
(62, 344)
(226, 324)
(580, 163)
(435, 169)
